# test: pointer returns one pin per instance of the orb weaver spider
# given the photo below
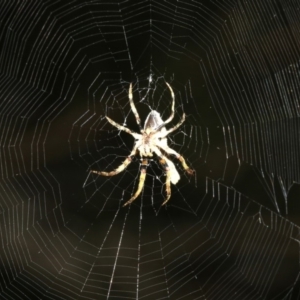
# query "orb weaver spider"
(151, 139)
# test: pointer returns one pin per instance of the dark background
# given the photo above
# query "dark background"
(229, 232)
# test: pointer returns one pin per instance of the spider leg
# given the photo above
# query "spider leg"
(165, 165)
(172, 176)
(121, 167)
(133, 108)
(171, 151)
(172, 109)
(141, 182)
(121, 127)
(174, 173)
(176, 126)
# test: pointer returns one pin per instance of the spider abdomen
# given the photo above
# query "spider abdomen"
(153, 120)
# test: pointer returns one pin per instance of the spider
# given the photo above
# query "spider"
(151, 139)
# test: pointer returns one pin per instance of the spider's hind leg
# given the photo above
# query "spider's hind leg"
(164, 164)
(171, 151)
(141, 182)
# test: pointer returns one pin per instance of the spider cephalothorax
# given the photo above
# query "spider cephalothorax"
(152, 139)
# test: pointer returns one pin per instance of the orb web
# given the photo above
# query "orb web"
(231, 231)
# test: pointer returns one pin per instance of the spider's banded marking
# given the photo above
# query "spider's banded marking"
(119, 169)
(112, 122)
(173, 106)
(151, 139)
(133, 108)
(184, 164)
(165, 165)
(141, 181)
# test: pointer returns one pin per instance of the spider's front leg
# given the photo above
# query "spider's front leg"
(133, 108)
(123, 128)
(143, 170)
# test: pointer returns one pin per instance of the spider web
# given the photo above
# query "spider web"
(229, 232)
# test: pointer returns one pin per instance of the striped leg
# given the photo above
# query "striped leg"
(121, 167)
(164, 164)
(172, 109)
(167, 132)
(141, 182)
(133, 108)
(181, 159)
(121, 127)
